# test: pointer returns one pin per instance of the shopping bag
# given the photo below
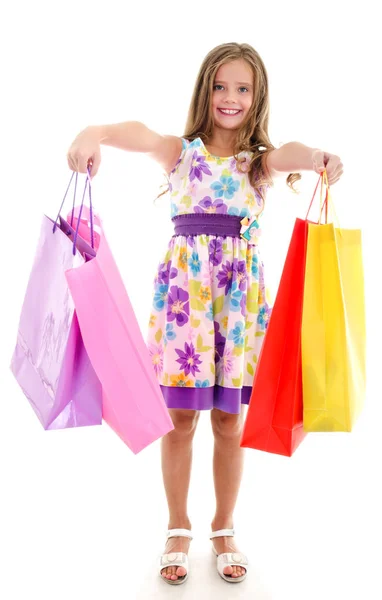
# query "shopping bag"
(274, 417)
(274, 420)
(87, 224)
(333, 327)
(50, 362)
(133, 404)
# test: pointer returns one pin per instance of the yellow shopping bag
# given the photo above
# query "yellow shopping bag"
(333, 336)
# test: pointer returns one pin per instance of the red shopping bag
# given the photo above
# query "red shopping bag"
(274, 421)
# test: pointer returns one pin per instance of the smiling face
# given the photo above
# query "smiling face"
(232, 94)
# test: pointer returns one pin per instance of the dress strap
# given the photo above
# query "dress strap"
(185, 144)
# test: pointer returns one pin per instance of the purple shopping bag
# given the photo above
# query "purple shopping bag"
(50, 362)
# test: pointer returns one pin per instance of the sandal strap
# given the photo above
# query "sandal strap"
(174, 559)
(179, 533)
(233, 558)
(222, 532)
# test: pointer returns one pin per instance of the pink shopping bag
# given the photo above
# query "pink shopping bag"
(87, 224)
(133, 404)
(50, 362)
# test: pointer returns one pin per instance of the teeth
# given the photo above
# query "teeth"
(228, 111)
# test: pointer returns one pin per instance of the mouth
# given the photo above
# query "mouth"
(229, 112)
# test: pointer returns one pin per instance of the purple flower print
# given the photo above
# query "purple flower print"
(215, 248)
(156, 354)
(244, 164)
(233, 165)
(208, 206)
(259, 200)
(188, 360)
(243, 305)
(166, 272)
(220, 341)
(198, 167)
(178, 306)
(225, 276)
(227, 361)
(240, 273)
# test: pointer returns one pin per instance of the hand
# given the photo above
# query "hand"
(85, 152)
(331, 162)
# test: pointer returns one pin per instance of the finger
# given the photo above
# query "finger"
(335, 177)
(76, 164)
(319, 169)
(333, 166)
(96, 161)
(334, 180)
(70, 162)
(73, 162)
(318, 161)
(83, 163)
(339, 171)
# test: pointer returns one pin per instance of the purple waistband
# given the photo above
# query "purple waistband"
(208, 224)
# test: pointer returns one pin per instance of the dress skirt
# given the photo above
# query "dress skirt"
(209, 315)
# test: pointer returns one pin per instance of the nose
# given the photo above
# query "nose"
(230, 96)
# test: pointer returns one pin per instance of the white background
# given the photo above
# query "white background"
(81, 516)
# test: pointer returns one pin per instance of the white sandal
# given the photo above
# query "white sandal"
(234, 559)
(175, 559)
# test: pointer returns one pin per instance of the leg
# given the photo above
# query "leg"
(228, 464)
(176, 451)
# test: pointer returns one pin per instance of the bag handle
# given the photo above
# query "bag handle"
(325, 204)
(88, 180)
(322, 204)
(329, 199)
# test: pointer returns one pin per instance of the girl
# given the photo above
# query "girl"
(210, 303)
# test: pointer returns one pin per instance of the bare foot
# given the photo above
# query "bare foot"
(227, 544)
(175, 544)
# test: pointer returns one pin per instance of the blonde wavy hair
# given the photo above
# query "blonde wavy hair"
(253, 135)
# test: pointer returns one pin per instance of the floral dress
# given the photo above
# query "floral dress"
(210, 304)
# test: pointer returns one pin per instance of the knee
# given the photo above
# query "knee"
(226, 425)
(185, 421)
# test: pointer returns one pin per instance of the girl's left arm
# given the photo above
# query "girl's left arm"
(293, 157)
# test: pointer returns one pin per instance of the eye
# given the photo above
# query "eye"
(217, 85)
(243, 88)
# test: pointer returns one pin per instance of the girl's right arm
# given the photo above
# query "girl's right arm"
(131, 136)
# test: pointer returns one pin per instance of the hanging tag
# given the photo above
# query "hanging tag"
(250, 230)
